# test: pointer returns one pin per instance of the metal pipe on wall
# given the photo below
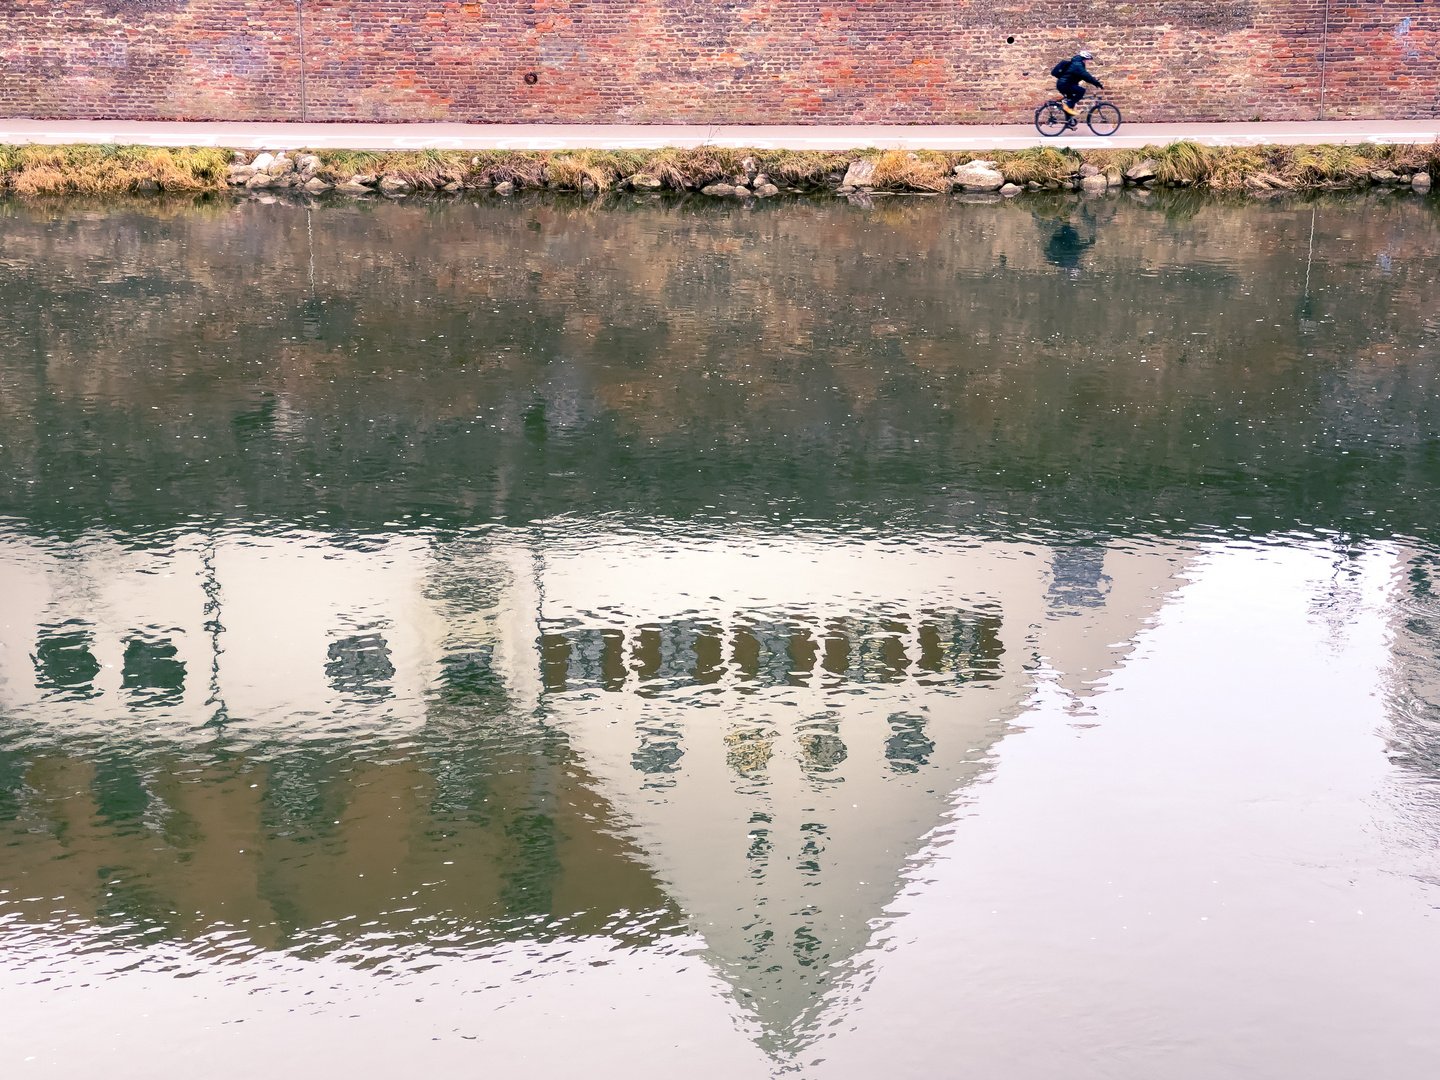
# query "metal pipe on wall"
(300, 24)
(1324, 57)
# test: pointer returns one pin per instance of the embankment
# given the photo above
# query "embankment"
(711, 171)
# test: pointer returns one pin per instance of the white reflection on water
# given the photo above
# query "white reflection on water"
(1198, 885)
(1191, 866)
(518, 1009)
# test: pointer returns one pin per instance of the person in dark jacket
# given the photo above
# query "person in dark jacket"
(1069, 74)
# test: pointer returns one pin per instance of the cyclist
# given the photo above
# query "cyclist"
(1069, 74)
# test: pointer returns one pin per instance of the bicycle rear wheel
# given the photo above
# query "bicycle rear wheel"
(1103, 119)
(1050, 119)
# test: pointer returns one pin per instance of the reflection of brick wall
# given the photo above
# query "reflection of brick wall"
(806, 61)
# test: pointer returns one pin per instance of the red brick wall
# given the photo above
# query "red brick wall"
(709, 61)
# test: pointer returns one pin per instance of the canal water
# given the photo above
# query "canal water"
(928, 638)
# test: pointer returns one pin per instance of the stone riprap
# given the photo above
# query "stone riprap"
(677, 61)
(857, 178)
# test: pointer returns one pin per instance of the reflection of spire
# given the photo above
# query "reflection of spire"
(781, 749)
(784, 720)
(780, 802)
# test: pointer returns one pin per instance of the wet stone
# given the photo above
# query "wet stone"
(1142, 172)
(979, 176)
(860, 174)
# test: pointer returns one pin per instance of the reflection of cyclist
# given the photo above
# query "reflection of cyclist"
(1066, 247)
(1069, 74)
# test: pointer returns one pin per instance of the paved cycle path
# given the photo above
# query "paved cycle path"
(275, 136)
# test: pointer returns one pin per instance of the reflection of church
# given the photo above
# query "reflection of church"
(746, 734)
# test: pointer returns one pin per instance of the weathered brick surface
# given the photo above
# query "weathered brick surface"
(700, 61)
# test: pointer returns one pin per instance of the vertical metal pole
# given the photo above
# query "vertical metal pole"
(1324, 57)
(300, 23)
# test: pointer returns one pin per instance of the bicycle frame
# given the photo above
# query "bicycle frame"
(1086, 110)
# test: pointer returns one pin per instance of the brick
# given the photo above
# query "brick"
(874, 61)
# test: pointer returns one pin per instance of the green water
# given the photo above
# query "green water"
(922, 360)
(403, 599)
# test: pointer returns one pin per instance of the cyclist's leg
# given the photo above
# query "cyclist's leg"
(1072, 92)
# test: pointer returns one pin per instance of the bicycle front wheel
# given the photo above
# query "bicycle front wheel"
(1050, 119)
(1103, 119)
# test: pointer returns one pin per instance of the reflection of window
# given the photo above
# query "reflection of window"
(814, 846)
(821, 751)
(934, 647)
(659, 752)
(151, 674)
(908, 748)
(468, 679)
(360, 665)
(1078, 577)
(807, 947)
(534, 863)
(63, 662)
(555, 661)
(750, 750)
(121, 798)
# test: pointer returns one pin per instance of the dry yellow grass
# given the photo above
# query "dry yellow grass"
(906, 171)
(109, 170)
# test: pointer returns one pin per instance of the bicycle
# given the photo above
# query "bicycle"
(1103, 118)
